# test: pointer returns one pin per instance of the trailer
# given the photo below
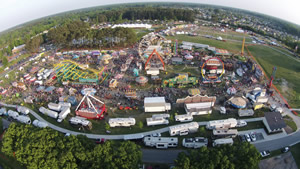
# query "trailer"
(222, 141)
(63, 114)
(77, 120)
(161, 142)
(48, 112)
(165, 116)
(40, 124)
(196, 142)
(156, 121)
(23, 110)
(222, 124)
(122, 122)
(184, 118)
(246, 112)
(225, 133)
(24, 119)
(65, 104)
(183, 129)
(13, 114)
(54, 106)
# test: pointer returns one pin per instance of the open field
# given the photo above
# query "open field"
(230, 46)
(287, 78)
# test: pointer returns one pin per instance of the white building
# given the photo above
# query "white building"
(197, 105)
(161, 142)
(156, 104)
(184, 118)
(122, 122)
(54, 106)
(183, 129)
(147, 26)
(196, 142)
(222, 141)
(222, 124)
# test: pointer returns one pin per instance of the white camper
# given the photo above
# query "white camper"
(54, 106)
(156, 104)
(161, 142)
(40, 124)
(196, 142)
(184, 118)
(165, 116)
(22, 110)
(156, 121)
(222, 124)
(225, 133)
(122, 122)
(63, 114)
(24, 119)
(65, 104)
(13, 114)
(222, 141)
(48, 112)
(80, 121)
(183, 129)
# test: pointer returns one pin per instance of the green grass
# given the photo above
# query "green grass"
(230, 46)
(287, 68)
(290, 122)
(252, 125)
(296, 153)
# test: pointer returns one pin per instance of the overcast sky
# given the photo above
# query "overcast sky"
(15, 12)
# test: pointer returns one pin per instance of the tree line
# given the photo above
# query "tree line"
(238, 156)
(46, 148)
(78, 34)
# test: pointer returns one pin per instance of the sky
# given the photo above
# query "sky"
(15, 12)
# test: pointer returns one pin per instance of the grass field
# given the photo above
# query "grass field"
(287, 78)
(290, 122)
(234, 47)
(296, 153)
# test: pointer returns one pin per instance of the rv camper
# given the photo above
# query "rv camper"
(183, 129)
(40, 124)
(122, 122)
(161, 142)
(196, 142)
(184, 118)
(222, 141)
(231, 133)
(222, 124)
(80, 121)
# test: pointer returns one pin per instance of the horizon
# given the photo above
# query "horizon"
(15, 25)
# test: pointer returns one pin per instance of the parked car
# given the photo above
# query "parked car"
(285, 149)
(100, 141)
(253, 137)
(247, 137)
(156, 135)
(265, 153)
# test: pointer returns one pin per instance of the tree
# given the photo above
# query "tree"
(141, 125)
(107, 127)
(240, 156)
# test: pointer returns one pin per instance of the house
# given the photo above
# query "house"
(274, 122)
(156, 104)
(18, 49)
(197, 105)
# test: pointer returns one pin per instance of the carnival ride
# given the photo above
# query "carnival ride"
(212, 70)
(70, 70)
(155, 64)
(148, 43)
(182, 80)
(90, 107)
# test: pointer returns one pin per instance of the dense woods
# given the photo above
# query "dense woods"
(238, 156)
(46, 148)
(78, 34)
